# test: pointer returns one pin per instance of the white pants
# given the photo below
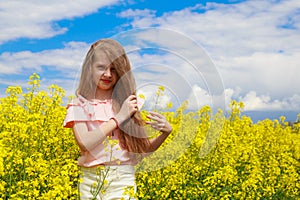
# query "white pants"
(106, 182)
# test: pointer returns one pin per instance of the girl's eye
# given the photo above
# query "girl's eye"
(100, 67)
(113, 70)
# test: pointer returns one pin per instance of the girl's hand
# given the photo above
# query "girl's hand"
(159, 122)
(129, 107)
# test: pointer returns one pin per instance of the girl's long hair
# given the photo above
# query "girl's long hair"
(132, 135)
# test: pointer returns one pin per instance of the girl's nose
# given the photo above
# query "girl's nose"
(107, 72)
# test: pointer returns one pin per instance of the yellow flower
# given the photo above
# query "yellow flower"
(244, 160)
(141, 96)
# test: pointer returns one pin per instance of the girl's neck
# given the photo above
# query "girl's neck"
(103, 94)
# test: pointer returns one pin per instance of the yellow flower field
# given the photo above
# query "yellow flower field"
(207, 156)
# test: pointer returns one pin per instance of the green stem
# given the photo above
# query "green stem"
(98, 189)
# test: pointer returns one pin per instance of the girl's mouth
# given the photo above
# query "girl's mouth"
(105, 81)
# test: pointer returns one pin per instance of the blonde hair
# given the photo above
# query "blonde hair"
(132, 135)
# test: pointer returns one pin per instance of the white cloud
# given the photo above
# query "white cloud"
(253, 102)
(175, 73)
(64, 66)
(137, 13)
(267, 73)
(198, 98)
(254, 44)
(264, 102)
(37, 19)
(235, 29)
(67, 60)
(154, 102)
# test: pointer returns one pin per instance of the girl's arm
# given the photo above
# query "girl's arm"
(89, 139)
(159, 123)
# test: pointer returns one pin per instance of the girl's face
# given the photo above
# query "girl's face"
(104, 73)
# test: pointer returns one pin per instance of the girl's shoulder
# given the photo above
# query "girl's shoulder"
(83, 102)
(90, 109)
(74, 102)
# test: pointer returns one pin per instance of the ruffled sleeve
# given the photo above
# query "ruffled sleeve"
(81, 110)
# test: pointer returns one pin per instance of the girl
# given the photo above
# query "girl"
(106, 122)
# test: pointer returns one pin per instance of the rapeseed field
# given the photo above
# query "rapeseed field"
(207, 156)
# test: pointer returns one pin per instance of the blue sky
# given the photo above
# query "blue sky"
(251, 48)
